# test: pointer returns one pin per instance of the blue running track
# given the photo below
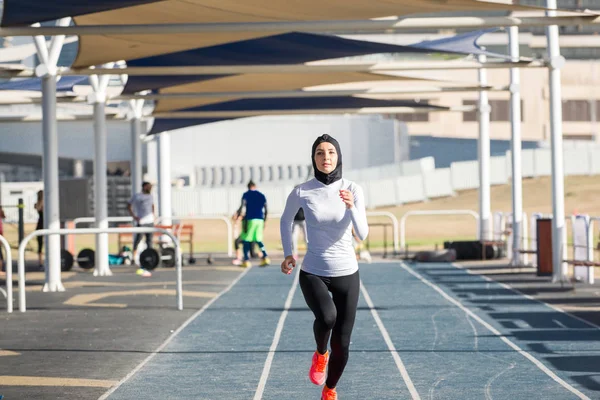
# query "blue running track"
(450, 335)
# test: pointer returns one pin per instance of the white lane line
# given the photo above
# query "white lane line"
(557, 322)
(269, 361)
(168, 340)
(390, 345)
(517, 291)
(525, 354)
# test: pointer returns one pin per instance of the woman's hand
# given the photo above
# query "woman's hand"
(288, 265)
(348, 198)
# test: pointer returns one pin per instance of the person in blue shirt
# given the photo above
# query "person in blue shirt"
(253, 224)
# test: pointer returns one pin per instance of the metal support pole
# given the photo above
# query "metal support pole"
(556, 142)
(100, 187)
(485, 209)
(136, 155)
(515, 148)
(152, 159)
(50, 167)
(21, 227)
(164, 177)
(47, 72)
(396, 25)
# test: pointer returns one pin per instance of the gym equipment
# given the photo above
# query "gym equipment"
(66, 260)
(473, 249)
(85, 259)
(150, 258)
(435, 256)
(167, 257)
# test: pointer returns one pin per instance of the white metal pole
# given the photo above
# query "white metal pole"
(390, 91)
(56, 44)
(382, 25)
(485, 208)
(9, 279)
(556, 142)
(136, 155)
(152, 159)
(164, 177)
(50, 167)
(515, 148)
(100, 186)
(42, 232)
(393, 66)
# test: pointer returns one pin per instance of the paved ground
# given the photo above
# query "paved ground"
(76, 344)
(453, 332)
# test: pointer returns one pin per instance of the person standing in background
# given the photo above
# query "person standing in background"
(253, 224)
(39, 207)
(141, 209)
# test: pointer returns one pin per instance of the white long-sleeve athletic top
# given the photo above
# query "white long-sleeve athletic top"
(329, 226)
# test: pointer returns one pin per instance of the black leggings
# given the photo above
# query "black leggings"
(334, 316)
(40, 240)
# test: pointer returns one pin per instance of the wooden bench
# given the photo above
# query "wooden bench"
(123, 238)
(183, 232)
(186, 235)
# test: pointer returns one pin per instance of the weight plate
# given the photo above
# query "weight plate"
(86, 258)
(149, 259)
(66, 260)
(168, 257)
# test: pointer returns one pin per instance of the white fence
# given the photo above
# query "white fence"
(264, 175)
(385, 190)
(412, 181)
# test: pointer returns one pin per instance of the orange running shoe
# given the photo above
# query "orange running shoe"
(328, 394)
(317, 369)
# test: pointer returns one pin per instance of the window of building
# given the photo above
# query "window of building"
(500, 111)
(576, 110)
(412, 117)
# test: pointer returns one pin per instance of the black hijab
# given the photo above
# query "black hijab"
(334, 175)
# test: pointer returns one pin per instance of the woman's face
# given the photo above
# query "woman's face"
(326, 157)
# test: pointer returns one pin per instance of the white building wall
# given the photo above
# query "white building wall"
(75, 139)
(365, 141)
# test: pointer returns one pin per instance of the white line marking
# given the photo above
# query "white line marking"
(476, 334)
(168, 340)
(488, 386)
(3, 293)
(435, 329)
(517, 291)
(557, 322)
(435, 385)
(525, 354)
(267, 367)
(390, 345)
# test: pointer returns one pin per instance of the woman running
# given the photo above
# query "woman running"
(332, 207)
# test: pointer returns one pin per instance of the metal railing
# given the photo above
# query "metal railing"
(91, 220)
(432, 212)
(87, 231)
(373, 214)
(394, 224)
(225, 219)
(8, 263)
